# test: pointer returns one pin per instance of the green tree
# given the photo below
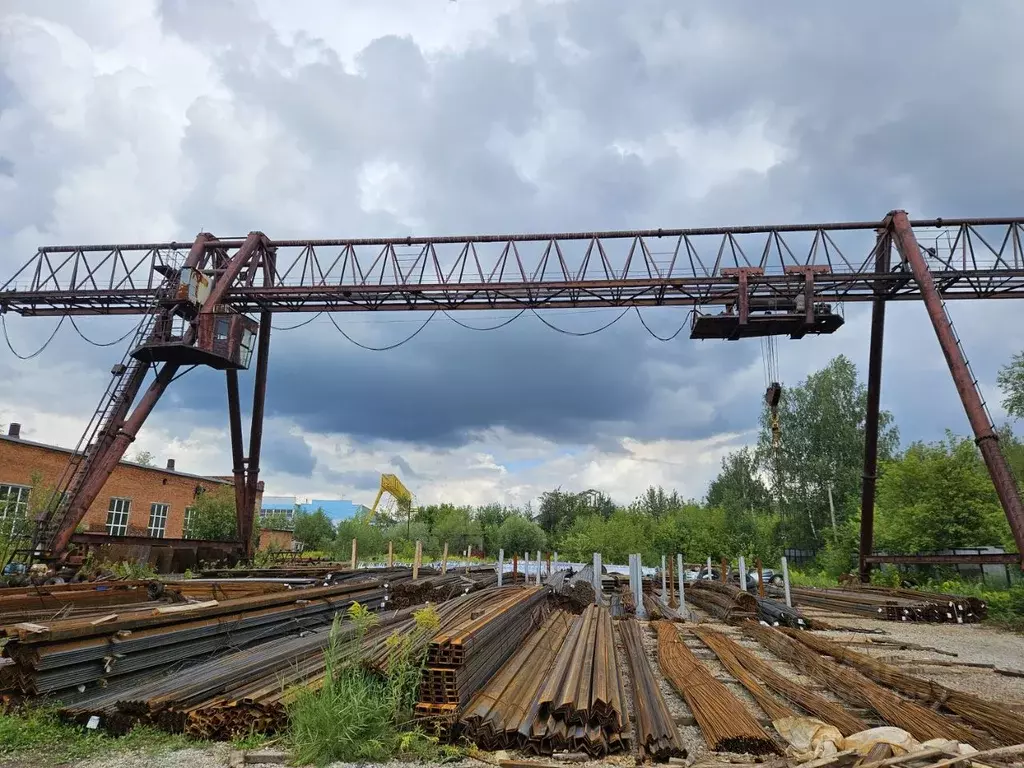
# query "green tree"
(456, 526)
(517, 534)
(938, 496)
(656, 503)
(145, 458)
(559, 509)
(822, 445)
(490, 518)
(276, 521)
(214, 515)
(314, 529)
(370, 540)
(1011, 382)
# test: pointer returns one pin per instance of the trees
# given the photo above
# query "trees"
(559, 509)
(1011, 381)
(213, 515)
(822, 424)
(314, 529)
(518, 534)
(938, 496)
(145, 458)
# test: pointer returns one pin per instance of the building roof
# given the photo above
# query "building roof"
(336, 509)
(161, 470)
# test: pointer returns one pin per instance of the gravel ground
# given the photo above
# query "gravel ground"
(971, 643)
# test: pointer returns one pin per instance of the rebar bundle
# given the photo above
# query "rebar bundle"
(461, 658)
(892, 604)
(775, 614)
(724, 721)
(811, 702)
(722, 600)
(1005, 724)
(922, 723)
(656, 728)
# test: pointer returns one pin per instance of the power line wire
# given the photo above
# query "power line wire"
(100, 344)
(7, 339)
(390, 346)
(663, 338)
(577, 333)
(509, 321)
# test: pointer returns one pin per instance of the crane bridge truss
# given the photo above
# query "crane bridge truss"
(750, 271)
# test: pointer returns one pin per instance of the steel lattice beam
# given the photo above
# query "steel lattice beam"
(969, 259)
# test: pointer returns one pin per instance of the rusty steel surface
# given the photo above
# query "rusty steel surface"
(892, 604)
(724, 722)
(966, 384)
(856, 689)
(767, 673)
(658, 739)
(998, 719)
(974, 258)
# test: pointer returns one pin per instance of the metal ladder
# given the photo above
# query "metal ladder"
(970, 369)
(82, 459)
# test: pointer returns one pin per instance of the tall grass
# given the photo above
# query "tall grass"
(357, 715)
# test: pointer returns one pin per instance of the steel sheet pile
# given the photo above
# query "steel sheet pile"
(818, 706)
(656, 728)
(55, 656)
(851, 686)
(462, 657)
(893, 604)
(1005, 724)
(722, 601)
(723, 720)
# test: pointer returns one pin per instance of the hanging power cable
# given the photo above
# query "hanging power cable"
(7, 339)
(502, 324)
(583, 333)
(390, 346)
(297, 325)
(78, 330)
(664, 338)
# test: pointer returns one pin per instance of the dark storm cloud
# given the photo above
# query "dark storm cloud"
(286, 453)
(863, 118)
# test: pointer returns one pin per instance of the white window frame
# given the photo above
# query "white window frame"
(158, 512)
(118, 512)
(186, 526)
(14, 501)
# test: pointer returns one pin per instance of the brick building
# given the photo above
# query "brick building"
(137, 501)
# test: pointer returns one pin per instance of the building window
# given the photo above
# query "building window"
(13, 501)
(190, 515)
(158, 520)
(117, 516)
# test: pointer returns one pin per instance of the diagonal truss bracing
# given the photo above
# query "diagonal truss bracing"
(969, 259)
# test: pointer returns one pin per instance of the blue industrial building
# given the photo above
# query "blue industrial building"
(336, 509)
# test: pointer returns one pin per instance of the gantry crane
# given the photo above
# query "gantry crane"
(391, 485)
(210, 302)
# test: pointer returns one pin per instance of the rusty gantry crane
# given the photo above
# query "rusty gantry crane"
(197, 302)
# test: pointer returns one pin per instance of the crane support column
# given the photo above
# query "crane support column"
(252, 471)
(984, 433)
(867, 495)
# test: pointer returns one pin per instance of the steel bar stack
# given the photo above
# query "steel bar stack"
(74, 652)
(1006, 725)
(722, 601)
(582, 705)
(892, 605)
(463, 657)
(922, 723)
(656, 728)
(809, 701)
(723, 719)
(775, 613)
(503, 715)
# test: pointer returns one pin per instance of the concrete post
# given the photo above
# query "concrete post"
(639, 584)
(760, 578)
(538, 567)
(391, 554)
(682, 580)
(709, 566)
(444, 560)
(501, 566)
(785, 582)
(597, 578)
(743, 574)
(555, 566)
(416, 560)
(664, 580)
(355, 546)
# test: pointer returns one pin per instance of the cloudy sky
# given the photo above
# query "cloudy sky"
(147, 120)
